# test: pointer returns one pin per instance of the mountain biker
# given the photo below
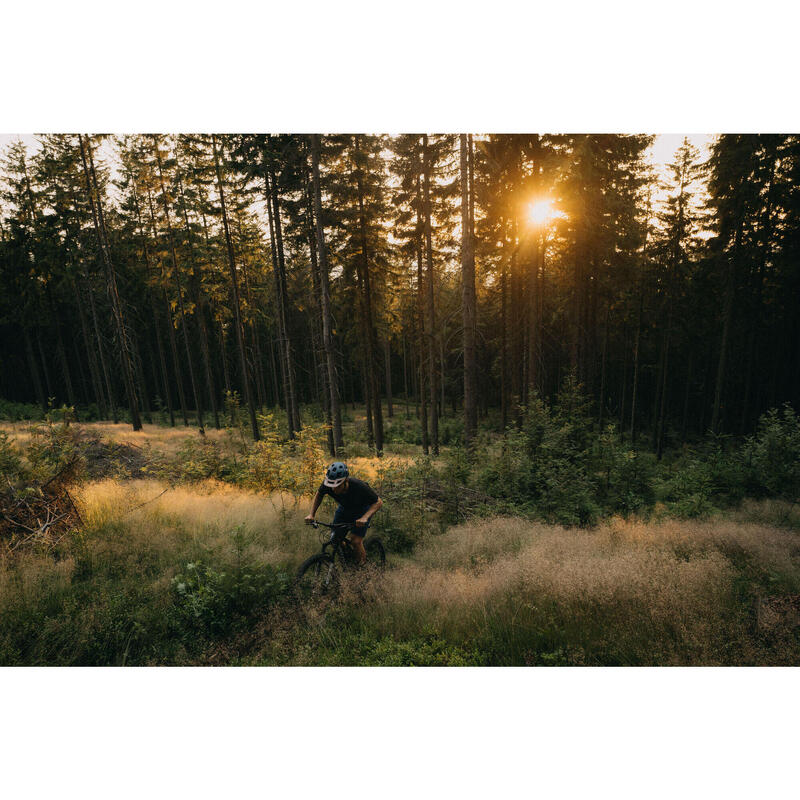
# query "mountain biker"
(357, 500)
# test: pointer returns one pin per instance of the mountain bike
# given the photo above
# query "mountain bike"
(321, 574)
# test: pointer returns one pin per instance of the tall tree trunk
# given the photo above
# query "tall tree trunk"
(442, 374)
(372, 344)
(755, 317)
(173, 345)
(432, 377)
(663, 392)
(468, 301)
(320, 364)
(201, 303)
(116, 304)
(275, 381)
(603, 372)
(634, 390)
(47, 382)
(534, 301)
(237, 310)
(327, 325)
(421, 340)
(368, 405)
(623, 388)
(405, 377)
(686, 396)
(726, 327)
(251, 326)
(387, 360)
(503, 347)
(62, 353)
(281, 389)
(94, 373)
(214, 316)
(103, 364)
(85, 392)
(279, 266)
(37, 382)
(159, 343)
(290, 364)
(141, 382)
(176, 277)
(226, 375)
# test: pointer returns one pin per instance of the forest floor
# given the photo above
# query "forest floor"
(198, 573)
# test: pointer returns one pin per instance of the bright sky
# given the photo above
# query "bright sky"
(666, 144)
(661, 153)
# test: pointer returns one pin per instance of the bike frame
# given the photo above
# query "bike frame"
(340, 531)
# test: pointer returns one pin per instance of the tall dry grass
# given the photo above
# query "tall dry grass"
(157, 437)
(627, 592)
(508, 589)
(202, 517)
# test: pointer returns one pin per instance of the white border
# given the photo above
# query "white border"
(619, 66)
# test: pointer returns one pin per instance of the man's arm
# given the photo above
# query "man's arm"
(369, 512)
(314, 507)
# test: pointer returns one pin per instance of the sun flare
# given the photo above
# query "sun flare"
(541, 211)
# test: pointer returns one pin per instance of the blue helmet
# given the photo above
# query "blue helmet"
(336, 474)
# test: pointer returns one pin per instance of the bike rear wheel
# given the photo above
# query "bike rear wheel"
(376, 553)
(318, 576)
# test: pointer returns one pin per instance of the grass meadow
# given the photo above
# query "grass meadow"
(177, 568)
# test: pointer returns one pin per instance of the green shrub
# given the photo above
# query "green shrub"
(198, 458)
(688, 488)
(546, 468)
(53, 446)
(15, 412)
(451, 431)
(215, 602)
(625, 477)
(771, 457)
(10, 460)
(407, 507)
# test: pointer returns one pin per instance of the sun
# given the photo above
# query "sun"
(541, 211)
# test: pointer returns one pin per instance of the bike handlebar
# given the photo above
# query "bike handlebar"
(316, 523)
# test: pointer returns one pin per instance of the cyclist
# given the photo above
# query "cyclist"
(357, 500)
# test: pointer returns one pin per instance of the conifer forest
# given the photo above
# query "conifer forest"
(461, 275)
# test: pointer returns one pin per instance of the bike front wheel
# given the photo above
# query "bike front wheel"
(318, 576)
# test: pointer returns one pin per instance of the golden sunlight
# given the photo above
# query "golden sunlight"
(541, 211)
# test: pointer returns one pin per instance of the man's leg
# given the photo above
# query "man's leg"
(357, 538)
(358, 545)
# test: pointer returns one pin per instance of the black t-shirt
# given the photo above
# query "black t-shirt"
(356, 500)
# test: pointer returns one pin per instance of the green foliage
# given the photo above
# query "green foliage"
(455, 478)
(53, 446)
(625, 478)
(689, 489)
(293, 466)
(546, 468)
(197, 458)
(11, 467)
(364, 649)
(235, 418)
(214, 603)
(772, 455)
(305, 460)
(451, 430)
(400, 430)
(15, 412)
(90, 623)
